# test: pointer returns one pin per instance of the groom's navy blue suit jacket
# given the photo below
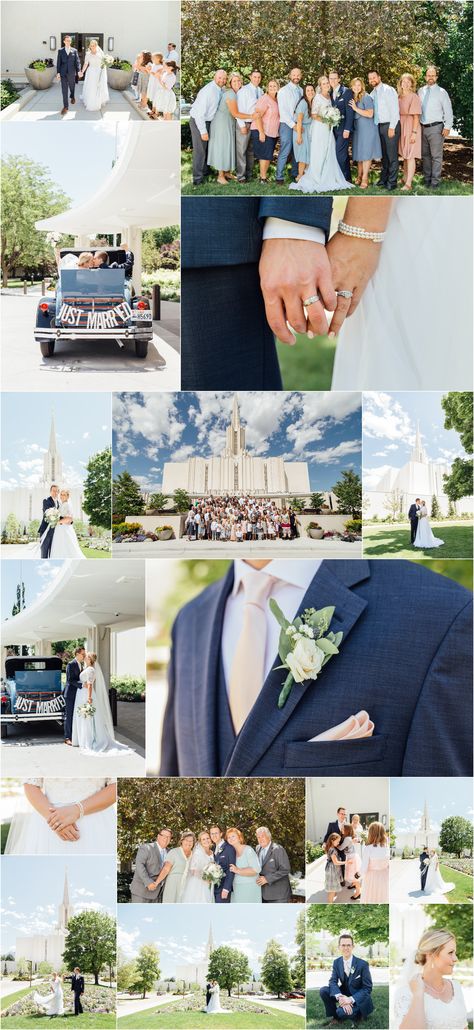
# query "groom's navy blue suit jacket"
(228, 230)
(405, 658)
(68, 63)
(359, 983)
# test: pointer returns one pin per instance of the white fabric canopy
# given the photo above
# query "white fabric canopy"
(141, 191)
(83, 595)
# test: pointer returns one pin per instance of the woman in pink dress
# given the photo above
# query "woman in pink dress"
(375, 865)
(409, 146)
(265, 128)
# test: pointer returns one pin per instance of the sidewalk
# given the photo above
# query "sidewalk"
(46, 104)
(405, 884)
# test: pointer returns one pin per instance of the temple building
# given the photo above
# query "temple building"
(196, 972)
(420, 477)
(48, 947)
(415, 839)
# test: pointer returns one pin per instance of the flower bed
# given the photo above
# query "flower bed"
(94, 999)
(197, 1004)
(463, 865)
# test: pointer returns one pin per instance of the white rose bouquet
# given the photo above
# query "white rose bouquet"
(87, 710)
(213, 873)
(52, 517)
(106, 61)
(304, 646)
(330, 116)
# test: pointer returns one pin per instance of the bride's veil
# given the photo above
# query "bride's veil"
(199, 860)
(102, 701)
(409, 969)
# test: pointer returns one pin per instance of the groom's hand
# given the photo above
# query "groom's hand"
(290, 272)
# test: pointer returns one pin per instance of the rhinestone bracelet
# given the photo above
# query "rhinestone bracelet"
(361, 234)
(81, 808)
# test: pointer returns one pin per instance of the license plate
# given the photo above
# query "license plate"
(141, 316)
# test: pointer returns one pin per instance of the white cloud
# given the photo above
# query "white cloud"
(385, 419)
(372, 476)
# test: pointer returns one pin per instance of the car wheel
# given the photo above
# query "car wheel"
(47, 348)
(141, 348)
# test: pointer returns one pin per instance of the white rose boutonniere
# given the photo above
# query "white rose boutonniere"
(304, 646)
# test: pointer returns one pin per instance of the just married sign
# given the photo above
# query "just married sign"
(108, 319)
(36, 707)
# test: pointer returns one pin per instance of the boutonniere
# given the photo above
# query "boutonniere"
(352, 970)
(304, 646)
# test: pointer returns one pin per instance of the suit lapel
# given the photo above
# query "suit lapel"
(206, 676)
(330, 586)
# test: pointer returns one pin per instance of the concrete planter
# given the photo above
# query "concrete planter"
(40, 80)
(118, 79)
(166, 534)
(316, 534)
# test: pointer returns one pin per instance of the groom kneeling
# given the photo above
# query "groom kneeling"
(348, 995)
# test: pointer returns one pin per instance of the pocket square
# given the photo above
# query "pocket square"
(359, 725)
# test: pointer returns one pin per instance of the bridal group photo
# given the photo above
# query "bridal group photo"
(73, 670)
(417, 478)
(59, 932)
(269, 106)
(203, 841)
(56, 496)
(126, 70)
(347, 845)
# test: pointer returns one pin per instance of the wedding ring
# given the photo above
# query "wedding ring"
(344, 293)
(315, 299)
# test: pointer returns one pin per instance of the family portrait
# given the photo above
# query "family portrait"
(202, 842)
(257, 120)
(235, 651)
(55, 816)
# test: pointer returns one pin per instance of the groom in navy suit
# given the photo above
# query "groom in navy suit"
(225, 855)
(405, 658)
(227, 343)
(48, 502)
(73, 684)
(68, 67)
(412, 515)
(348, 994)
(340, 97)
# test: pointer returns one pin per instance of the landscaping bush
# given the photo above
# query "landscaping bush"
(121, 65)
(123, 887)
(94, 999)
(186, 138)
(126, 528)
(313, 851)
(129, 688)
(353, 525)
(9, 93)
(462, 865)
(41, 64)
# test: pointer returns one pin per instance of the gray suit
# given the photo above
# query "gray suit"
(148, 864)
(276, 869)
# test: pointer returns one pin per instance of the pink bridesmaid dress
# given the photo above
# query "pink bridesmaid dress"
(374, 874)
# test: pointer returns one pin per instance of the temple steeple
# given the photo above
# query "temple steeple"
(418, 453)
(425, 820)
(210, 944)
(65, 908)
(52, 462)
(235, 434)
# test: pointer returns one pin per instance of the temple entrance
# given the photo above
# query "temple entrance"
(81, 40)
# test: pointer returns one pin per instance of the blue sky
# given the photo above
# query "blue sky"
(79, 157)
(82, 429)
(408, 796)
(320, 428)
(181, 932)
(30, 899)
(36, 575)
(389, 427)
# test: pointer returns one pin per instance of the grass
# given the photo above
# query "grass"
(385, 541)
(4, 831)
(448, 187)
(463, 892)
(89, 1020)
(168, 1016)
(316, 1015)
(309, 362)
(90, 552)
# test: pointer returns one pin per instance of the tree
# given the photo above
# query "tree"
(298, 965)
(44, 968)
(392, 834)
(297, 503)
(158, 501)
(393, 502)
(370, 923)
(65, 648)
(348, 491)
(97, 489)
(91, 942)
(28, 194)
(20, 603)
(148, 967)
(459, 483)
(454, 60)
(127, 497)
(458, 412)
(458, 920)
(316, 501)
(435, 508)
(182, 500)
(229, 967)
(452, 510)
(456, 835)
(12, 527)
(275, 969)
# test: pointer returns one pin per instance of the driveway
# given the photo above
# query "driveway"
(46, 105)
(185, 548)
(30, 752)
(405, 883)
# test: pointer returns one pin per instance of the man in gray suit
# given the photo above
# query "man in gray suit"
(275, 868)
(148, 864)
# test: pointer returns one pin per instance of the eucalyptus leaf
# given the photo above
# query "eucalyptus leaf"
(327, 646)
(277, 612)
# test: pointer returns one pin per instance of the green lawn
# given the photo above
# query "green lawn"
(309, 362)
(255, 188)
(463, 892)
(386, 541)
(4, 831)
(378, 1020)
(169, 1017)
(90, 552)
(89, 1020)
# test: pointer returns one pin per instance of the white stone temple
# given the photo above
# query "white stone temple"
(26, 502)
(425, 834)
(196, 972)
(236, 471)
(48, 947)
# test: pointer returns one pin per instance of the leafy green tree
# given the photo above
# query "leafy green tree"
(459, 483)
(297, 503)
(370, 924)
(148, 967)
(298, 965)
(98, 489)
(20, 602)
(91, 942)
(182, 500)
(229, 967)
(452, 510)
(12, 527)
(316, 501)
(65, 648)
(458, 920)
(28, 194)
(392, 834)
(456, 835)
(158, 501)
(348, 491)
(32, 529)
(275, 969)
(127, 497)
(458, 412)
(454, 60)
(435, 508)
(44, 968)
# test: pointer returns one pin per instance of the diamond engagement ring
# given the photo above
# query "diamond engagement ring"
(344, 293)
(315, 299)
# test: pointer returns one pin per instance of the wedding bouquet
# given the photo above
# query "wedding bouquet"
(426, 861)
(106, 61)
(331, 117)
(213, 873)
(87, 710)
(304, 645)
(52, 517)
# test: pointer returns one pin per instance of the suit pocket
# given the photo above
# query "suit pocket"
(328, 754)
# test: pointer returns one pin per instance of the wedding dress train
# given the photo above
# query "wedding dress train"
(52, 1004)
(95, 733)
(65, 544)
(434, 881)
(424, 535)
(214, 1005)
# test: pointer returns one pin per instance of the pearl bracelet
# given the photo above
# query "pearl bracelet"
(81, 808)
(361, 234)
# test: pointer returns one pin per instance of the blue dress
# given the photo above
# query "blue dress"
(302, 150)
(365, 140)
(244, 888)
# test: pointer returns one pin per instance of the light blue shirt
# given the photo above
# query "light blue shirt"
(288, 97)
(247, 97)
(386, 106)
(435, 106)
(205, 105)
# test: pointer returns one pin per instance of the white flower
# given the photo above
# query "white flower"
(306, 630)
(290, 631)
(305, 661)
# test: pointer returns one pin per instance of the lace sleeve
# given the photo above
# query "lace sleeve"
(317, 104)
(35, 782)
(403, 1000)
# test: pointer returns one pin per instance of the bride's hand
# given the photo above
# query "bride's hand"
(290, 272)
(60, 818)
(353, 262)
(417, 986)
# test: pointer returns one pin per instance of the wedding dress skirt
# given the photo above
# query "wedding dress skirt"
(413, 327)
(95, 733)
(439, 1015)
(30, 834)
(95, 91)
(214, 1006)
(197, 890)
(435, 883)
(51, 1004)
(65, 544)
(424, 536)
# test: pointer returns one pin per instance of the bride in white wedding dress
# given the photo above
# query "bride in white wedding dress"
(214, 1005)
(425, 996)
(323, 174)
(64, 544)
(95, 91)
(94, 733)
(52, 1004)
(197, 890)
(434, 883)
(424, 535)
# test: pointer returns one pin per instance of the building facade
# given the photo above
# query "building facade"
(48, 947)
(416, 839)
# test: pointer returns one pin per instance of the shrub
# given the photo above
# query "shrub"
(126, 528)
(186, 138)
(165, 529)
(121, 65)
(129, 688)
(94, 999)
(313, 851)
(41, 64)
(353, 525)
(9, 93)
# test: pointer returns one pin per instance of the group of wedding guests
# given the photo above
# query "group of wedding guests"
(181, 874)
(233, 124)
(240, 519)
(356, 860)
(154, 78)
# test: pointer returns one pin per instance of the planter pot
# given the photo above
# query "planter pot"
(40, 80)
(118, 79)
(167, 534)
(316, 534)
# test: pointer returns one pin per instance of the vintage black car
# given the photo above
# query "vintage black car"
(32, 691)
(94, 304)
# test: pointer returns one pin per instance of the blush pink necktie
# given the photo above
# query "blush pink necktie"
(248, 667)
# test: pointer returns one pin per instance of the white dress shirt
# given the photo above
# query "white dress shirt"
(247, 97)
(205, 105)
(288, 97)
(282, 229)
(172, 56)
(387, 103)
(293, 578)
(435, 106)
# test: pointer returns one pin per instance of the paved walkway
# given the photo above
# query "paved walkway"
(42, 756)
(46, 105)
(13, 986)
(315, 891)
(405, 883)
(128, 1006)
(185, 548)
(296, 1007)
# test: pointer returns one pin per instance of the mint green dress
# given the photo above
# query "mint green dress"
(244, 888)
(174, 883)
(221, 149)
